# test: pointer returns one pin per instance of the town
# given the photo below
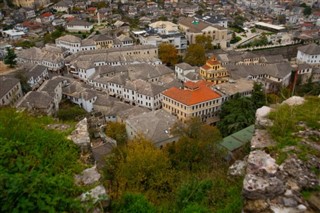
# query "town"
(150, 66)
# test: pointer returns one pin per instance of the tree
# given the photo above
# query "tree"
(118, 132)
(195, 55)
(307, 11)
(140, 167)
(130, 202)
(197, 147)
(168, 54)
(258, 96)
(21, 75)
(236, 114)
(205, 41)
(10, 58)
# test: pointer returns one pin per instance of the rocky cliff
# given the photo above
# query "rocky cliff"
(281, 173)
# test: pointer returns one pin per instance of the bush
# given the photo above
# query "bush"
(70, 112)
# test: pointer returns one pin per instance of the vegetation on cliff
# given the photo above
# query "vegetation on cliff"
(37, 165)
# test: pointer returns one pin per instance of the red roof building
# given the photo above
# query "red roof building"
(196, 99)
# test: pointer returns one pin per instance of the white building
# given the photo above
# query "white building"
(10, 90)
(37, 75)
(182, 69)
(13, 34)
(309, 54)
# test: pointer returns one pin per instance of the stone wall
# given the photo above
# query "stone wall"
(270, 187)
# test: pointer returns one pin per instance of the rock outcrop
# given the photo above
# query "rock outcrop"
(80, 136)
(270, 187)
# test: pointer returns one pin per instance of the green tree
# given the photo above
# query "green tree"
(168, 54)
(236, 114)
(21, 75)
(197, 147)
(37, 166)
(117, 131)
(10, 58)
(205, 41)
(196, 55)
(258, 96)
(137, 203)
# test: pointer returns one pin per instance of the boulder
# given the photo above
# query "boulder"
(261, 117)
(88, 176)
(238, 168)
(260, 162)
(255, 187)
(294, 101)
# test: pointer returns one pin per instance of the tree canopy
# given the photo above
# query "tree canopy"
(117, 131)
(37, 166)
(168, 54)
(196, 55)
(205, 41)
(10, 58)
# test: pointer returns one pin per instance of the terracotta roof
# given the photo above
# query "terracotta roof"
(211, 62)
(47, 14)
(206, 67)
(191, 97)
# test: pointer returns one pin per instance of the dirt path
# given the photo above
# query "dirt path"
(5, 70)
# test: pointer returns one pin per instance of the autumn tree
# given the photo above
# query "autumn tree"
(168, 54)
(140, 167)
(205, 41)
(117, 131)
(195, 55)
(10, 58)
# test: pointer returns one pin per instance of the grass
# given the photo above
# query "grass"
(286, 121)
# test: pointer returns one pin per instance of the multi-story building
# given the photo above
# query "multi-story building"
(69, 42)
(50, 56)
(10, 90)
(309, 54)
(194, 27)
(214, 72)
(196, 99)
(182, 70)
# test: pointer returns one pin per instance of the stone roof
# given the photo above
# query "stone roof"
(278, 70)
(36, 100)
(185, 66)
(101, 37)
(50, 85)
(155, 125)
(310, 49)
(78, 90)
(70, 39)
(233, 87)
(6, 84)
(196, 25)
(37, 54)
(88, 42)
(143, 87)
(36, 71)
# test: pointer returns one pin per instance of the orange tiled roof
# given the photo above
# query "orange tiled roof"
(47, 14)
(206, 67)
(192, 97)
(211, 62)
